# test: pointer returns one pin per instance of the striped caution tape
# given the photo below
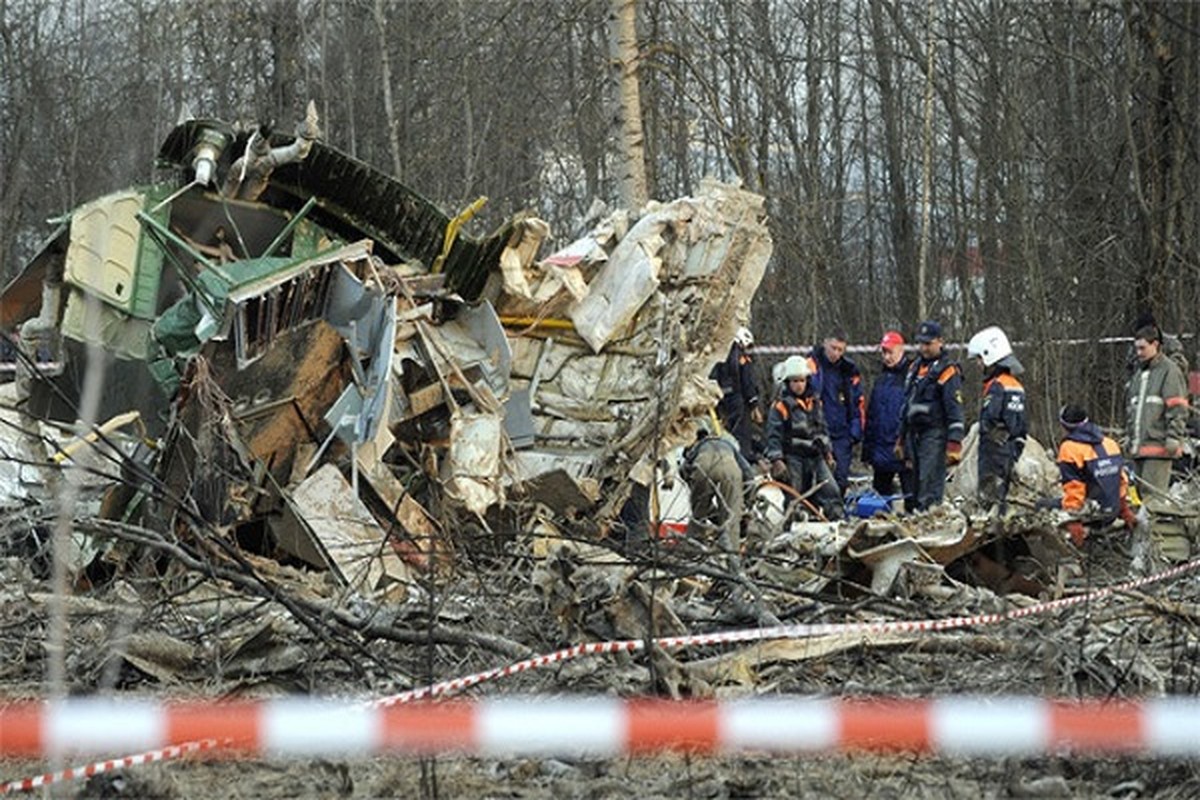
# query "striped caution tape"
(800, 631)
(788, 349)
(629, 645)
(599, 726)
(100, 767)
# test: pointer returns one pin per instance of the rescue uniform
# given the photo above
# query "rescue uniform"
(739, 394)
(796, 435)
(716, 474)
(933, 416)
(882, 430)
(1090, 468)
(1156, 419)
(1002, 431)
(839, 387)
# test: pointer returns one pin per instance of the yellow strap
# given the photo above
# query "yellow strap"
(452, 231)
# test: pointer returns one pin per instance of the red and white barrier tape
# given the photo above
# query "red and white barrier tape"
(99, 767)
(628, 645)
(800, 631)
(606, 726)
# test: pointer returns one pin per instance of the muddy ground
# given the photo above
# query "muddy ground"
(154, 627)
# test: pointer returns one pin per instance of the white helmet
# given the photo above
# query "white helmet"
(794, 367)
(744, 337)
(990, 344)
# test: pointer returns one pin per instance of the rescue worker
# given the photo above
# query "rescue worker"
(1156, 411)
(739, 392)
(931, 429)
(837, 383)
(1090, 468)
(1002, 422)
(882, 429)
(797, 442)
(716, 475)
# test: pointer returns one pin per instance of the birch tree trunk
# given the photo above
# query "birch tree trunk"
(623, 51)
(389, 105)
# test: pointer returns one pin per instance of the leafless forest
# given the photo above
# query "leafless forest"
(1050, 150)
(1032, 165)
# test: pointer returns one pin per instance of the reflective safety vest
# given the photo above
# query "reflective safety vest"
(1090, 467)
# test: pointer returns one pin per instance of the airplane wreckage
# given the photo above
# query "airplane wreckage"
(290, 348)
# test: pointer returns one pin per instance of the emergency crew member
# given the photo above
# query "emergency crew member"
(837, 383)
(1090, 468)
(884, 411)
(797, 442)
(932, 426)
(739, 392)
(1156, 411)
(1002, 423)
(716, 475)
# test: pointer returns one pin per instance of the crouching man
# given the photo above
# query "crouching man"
(1090, 468)
(716, 475)
(797, 442)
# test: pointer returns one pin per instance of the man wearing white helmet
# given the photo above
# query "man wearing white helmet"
(797, 442)
(1002, 423)
(739, 392)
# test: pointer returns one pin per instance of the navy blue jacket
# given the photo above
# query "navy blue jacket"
(933, 398)
(884, 413)
(739, 387)
(840, 388)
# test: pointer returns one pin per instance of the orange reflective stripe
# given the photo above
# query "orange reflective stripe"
(1074, 453)
(1177, 401)
(947, 374)
(782, 408)
(1074, 493)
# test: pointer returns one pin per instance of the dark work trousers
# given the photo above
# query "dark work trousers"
(737, 421)
(807, 472)
(841, 461)
(995, 472)
(927, 449)
(885, 484)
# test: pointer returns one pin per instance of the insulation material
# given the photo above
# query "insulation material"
(517, 256)
(472, 467)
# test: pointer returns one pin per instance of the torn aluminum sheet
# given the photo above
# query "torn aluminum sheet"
(474, 338)
(625, 283)
(886, 561)
(366, 318)
(624, 397)
(336, 528)
(558, 479)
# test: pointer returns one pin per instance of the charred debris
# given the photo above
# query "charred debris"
(296, 361)
(289, 354)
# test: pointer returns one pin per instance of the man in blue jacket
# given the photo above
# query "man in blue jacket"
(884, 412)
(932, 428)
(838, 384)
(739, 392)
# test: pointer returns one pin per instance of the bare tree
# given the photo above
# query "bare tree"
(630, 152)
